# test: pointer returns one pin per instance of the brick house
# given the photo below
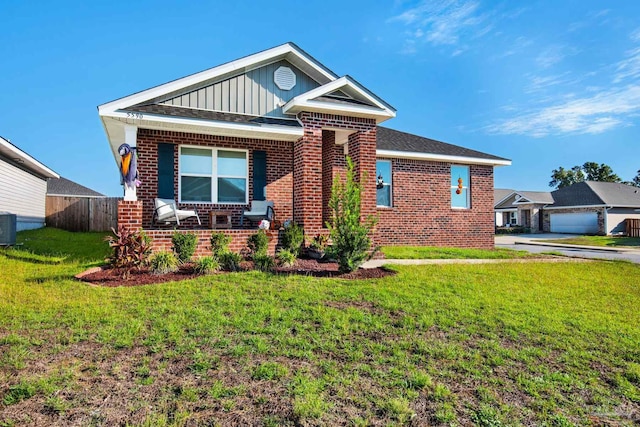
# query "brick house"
(277, 126)
(588, 207)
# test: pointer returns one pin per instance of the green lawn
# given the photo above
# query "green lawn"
(599, 241)
(430, 252)
(490, 345)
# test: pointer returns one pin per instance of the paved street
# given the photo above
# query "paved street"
(531, 243)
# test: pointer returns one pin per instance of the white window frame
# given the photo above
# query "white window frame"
(513, 218)
(465, 186)
(390, 184)
(214, 175)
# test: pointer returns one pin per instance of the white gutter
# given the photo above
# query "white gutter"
(214, 125)
(440, 158)
(20, 157)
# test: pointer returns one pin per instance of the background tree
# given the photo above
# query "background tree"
(636, 180)
(562, 177)
(590, 171)
(602, 172)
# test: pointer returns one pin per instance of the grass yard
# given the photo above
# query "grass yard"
(431, 252)
(632, 242)
(489, 345)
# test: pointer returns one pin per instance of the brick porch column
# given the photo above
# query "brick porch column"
(362, 150)
(307, 177)
(130, 214)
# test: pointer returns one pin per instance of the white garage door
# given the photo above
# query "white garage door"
(576, 223)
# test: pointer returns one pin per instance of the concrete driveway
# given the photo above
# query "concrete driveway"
(532, 243)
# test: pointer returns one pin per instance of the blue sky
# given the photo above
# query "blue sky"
(546, 83)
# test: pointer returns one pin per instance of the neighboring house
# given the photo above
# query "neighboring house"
(588, 207)
(277, 125)
(505, 215)
(523, 208)
(23, 186)
(65, 187)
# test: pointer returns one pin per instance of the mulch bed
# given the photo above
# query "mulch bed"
(105, 276)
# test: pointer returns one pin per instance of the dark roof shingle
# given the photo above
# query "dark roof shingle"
(394, 140)
(65, 187)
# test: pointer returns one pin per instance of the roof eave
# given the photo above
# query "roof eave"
(442, 158)
(24, 159)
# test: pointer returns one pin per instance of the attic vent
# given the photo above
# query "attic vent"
(284, 78)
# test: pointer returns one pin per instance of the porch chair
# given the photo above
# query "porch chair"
(260, 209)
(167, 212)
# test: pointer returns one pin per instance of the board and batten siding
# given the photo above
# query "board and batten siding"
(23, 194)
(253, 92)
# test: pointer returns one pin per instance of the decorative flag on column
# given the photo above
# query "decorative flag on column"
(129, 165)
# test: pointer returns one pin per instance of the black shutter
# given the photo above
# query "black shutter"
(259, 174)
(165, 171)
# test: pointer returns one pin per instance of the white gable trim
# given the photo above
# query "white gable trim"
(237, 66)
(306, 101)
(440, 158)
(504, 199)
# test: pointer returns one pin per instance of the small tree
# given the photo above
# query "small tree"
(349, 234)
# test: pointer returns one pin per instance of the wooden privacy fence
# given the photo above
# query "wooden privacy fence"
(633, 227)
(82, 213)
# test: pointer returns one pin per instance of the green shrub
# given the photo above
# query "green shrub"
(258, 244)
(319, 242)
(206, 265)
(184, 245)
(163, 262)
(219, 243)
(292, 237)
(350, 236)
(515, 229)
(286, 257)
(131, 249)
(230, 261)
(264, 262)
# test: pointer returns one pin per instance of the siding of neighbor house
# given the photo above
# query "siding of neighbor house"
(616, 217)
(253, 92)
(23, 194)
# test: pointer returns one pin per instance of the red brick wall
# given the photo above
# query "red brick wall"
(161, 240)
(310, 186)
(422, 213)
(279, 172)
(130, 214)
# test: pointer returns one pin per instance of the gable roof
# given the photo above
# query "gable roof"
(595, 193)
(499, 194)
(321, 100)
(65, 187)
(24, 161)
(397, 144)
(536, 197)
(289, 51)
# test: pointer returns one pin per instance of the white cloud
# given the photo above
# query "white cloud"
(587, 115)
(635, 35)
(540, 83)
(628, 67)
(551, 56)
(444, 23)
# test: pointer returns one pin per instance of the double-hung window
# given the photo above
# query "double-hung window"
(460, 187)
(213, 175)
(383, 183)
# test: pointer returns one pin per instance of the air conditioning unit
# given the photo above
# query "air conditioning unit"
(7, 229)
